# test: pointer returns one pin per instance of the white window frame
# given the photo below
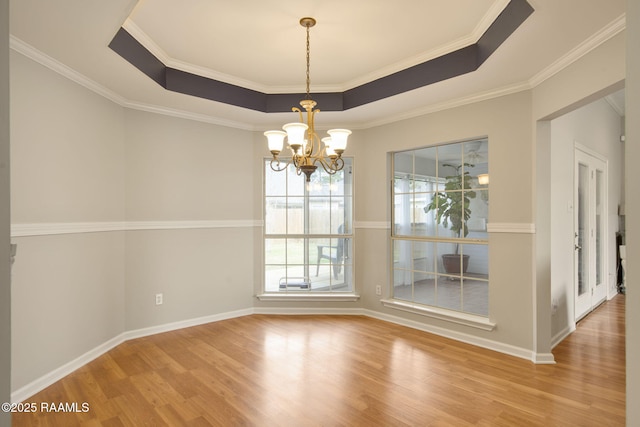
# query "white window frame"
(412, 306)
(288, 294)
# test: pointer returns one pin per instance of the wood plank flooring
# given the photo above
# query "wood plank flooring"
(264, 370)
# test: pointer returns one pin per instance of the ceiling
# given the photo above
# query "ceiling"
(259, 45)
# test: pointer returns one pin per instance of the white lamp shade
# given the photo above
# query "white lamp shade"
(339, 138)
(275, 139)
(295, 133)
(327, 146)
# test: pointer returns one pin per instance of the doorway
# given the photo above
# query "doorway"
(590, 200)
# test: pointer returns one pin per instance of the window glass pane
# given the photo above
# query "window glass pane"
(295, 215)
(477, 262)
(341, 207)
(403, 163)
(402, 262)
(425, 163)
(424, 290)
(275, 215)
(478, 215)
(272, 275)
(295, 182)
(450, 154)
(449, 293)
(319, 215)
(402, 214)
(424, 256)
(275, 251)
(275, 182)
(295, 251)
(475, 297)
(402, 287)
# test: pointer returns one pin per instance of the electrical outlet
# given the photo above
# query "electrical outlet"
(158, 299)
(378, 290)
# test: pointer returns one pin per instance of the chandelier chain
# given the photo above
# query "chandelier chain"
(308, 56)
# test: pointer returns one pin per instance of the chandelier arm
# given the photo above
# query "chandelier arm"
(313, 149)
(336, 165)
(297, 110)
(275, 161)
(339, 163)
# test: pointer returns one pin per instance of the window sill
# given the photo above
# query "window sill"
(307, 297)
(471, 320)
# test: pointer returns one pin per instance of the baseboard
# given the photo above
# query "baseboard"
(560, 336)
(499, 347)
(293, 311)
(543, 359)
(57, 374)
(167, 327)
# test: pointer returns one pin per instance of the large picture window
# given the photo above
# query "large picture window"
(440, 241)
(308, 231)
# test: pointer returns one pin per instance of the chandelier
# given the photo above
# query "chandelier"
(307, 149)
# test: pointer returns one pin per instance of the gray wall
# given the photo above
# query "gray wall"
(589, 78)
(506, 122)
(138, 182)
(180, 171)
(67, 156)
(596, 126)
(632, 158)
(5, 279)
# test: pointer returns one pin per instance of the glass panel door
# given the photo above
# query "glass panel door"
(583, 299)
(590, 237)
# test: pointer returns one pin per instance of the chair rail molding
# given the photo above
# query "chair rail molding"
(54, 228)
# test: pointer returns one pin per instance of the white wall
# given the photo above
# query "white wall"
(596, 126)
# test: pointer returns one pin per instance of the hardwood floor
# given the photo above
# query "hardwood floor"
(342, 371)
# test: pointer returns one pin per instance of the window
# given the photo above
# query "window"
(308, 231)
(440, 241)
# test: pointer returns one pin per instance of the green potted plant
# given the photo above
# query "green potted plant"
(453, 211)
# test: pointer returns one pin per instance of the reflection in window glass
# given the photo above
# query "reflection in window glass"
(440, 212)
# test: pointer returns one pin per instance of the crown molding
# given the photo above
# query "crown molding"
(54, 65)
(459, 102)
(614, 28)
